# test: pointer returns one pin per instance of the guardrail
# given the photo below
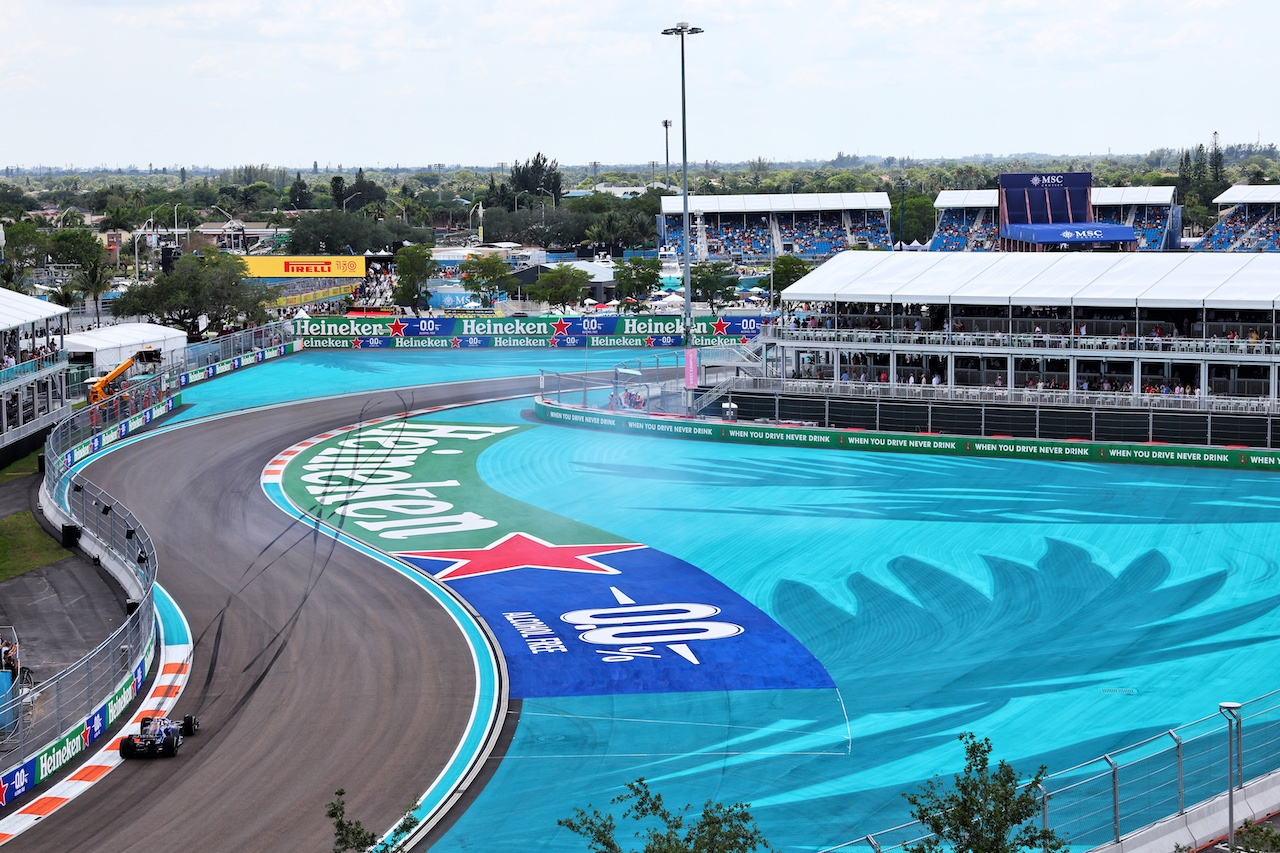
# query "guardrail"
(51, 722)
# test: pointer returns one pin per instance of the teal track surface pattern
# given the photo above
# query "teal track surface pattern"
(1063, 610)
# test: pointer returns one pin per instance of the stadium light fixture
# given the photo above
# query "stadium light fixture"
(683, 29)
(1231, 710)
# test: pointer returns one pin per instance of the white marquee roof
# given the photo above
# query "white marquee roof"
(1132, 195)
(1098, 195)
(966, 198)
(776, 203)
(17, 309)
(1245, 194)
(1147, 279)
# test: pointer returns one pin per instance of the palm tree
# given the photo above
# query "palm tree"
(94, 279)
(66, 295)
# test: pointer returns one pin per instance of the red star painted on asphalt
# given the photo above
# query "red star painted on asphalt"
(396, 328)
(648, 341)
(721, 326)
(522, 551)
(561, 327)
(355, 343)
(457, 342)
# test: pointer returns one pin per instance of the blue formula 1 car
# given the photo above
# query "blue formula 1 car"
(158, 737)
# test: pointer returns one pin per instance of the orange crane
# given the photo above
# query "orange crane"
(103, 387)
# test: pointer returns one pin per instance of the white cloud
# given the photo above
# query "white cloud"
(240, 80)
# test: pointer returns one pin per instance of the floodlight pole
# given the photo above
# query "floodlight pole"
(666, 127)
(683, 29)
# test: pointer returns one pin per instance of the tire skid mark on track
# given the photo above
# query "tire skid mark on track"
(173, 668)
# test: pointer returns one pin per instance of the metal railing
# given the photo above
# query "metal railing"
(1102, 800)
(1040, 343)
(39, 715)
(1014, 396)
(27, 368)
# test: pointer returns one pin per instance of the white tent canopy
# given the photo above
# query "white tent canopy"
(1174, 280)
(776, 203)
(111, 345)
(1245, 194)
(17, 309)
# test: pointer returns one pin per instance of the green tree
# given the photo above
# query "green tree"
(484, 276)
(787, 270)
(118, 219)
(713, 282)
(212, 287)
(25, 248)
(351, 835)
(634, 279)
(94, 279)
(65, 294)
(718, 829)
(76, 246)
(537, 174)
(562, 285)
(982, 811)
(415, 266)
(300, 195)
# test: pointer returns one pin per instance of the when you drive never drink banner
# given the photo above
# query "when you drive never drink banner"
(518, 332)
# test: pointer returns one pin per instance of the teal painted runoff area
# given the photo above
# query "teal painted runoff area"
(1061, 610)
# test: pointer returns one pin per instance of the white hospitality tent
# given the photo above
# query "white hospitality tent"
(1095, 279)
(25, 320)
(110, 345)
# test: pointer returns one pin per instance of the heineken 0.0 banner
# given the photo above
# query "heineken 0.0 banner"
(513, 332)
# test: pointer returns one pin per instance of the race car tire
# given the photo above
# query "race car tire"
(169, 746)
(126, 748)
(189, 725)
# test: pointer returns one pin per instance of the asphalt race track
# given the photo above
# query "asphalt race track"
(315, 667)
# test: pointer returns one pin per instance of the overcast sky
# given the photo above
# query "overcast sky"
(410, 82)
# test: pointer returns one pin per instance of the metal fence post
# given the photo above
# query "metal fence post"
(1044, 815)
(1181, 789)
(1231, 710)
(1115, 795)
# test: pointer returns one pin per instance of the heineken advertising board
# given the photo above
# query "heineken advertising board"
(519, 332)
(578, 611)
(855, 439)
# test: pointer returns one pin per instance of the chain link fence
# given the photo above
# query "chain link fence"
(1102, 800)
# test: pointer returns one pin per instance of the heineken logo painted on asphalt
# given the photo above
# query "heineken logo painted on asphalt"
(577, 610)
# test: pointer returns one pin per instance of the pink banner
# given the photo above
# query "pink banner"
(691, 368)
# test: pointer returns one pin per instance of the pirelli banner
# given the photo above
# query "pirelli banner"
(510, 333)
(305, 266)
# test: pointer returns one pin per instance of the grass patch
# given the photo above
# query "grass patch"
(25, 546)
(26, 465)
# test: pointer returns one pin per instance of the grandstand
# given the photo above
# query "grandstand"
(756, 227)
(968, 220)
(1248, 221)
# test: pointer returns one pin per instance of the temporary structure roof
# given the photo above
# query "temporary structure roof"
(1245, 194)
(966, 198)
(18, 309)
(111, 345)
(1101, 279)
(1131, 195)
(776, 203)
